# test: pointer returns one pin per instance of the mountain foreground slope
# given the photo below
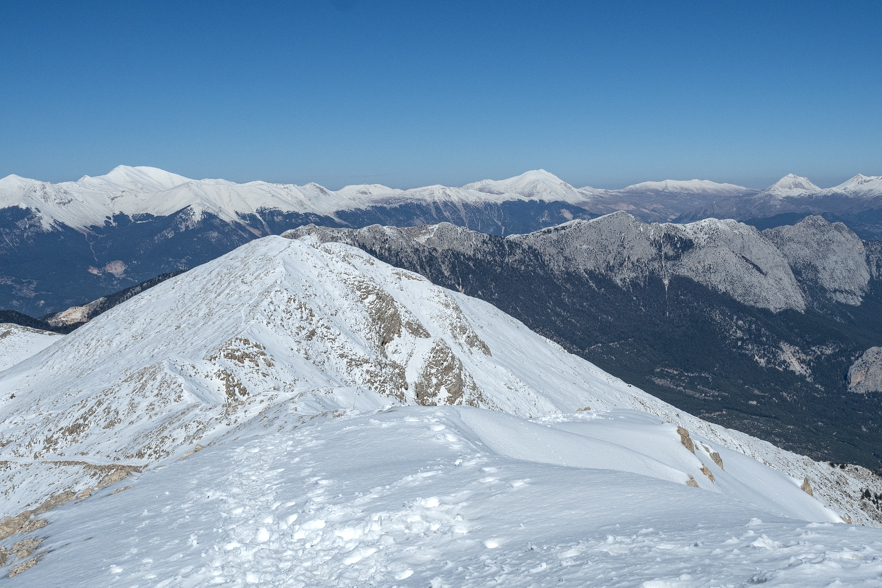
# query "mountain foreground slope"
(302, 412)
(754, 330)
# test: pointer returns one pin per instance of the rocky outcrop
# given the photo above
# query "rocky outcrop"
(444, 380)
(828, 258)
(725, 256)
(807, 487)
(874, 258)
(865, 374)
(685, 439)
(776, 269)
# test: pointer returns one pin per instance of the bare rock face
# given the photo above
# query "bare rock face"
(723, 255)
(829, 259)
(685, 439)
(807, 487)
(865, 375)
(874, 258)
(444, 380)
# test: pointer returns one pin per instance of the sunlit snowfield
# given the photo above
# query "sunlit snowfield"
(417, 497)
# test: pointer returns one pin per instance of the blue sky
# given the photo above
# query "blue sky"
(414, 93)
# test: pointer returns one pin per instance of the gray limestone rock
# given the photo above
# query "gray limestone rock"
(828, 258)
(777, 269)
(865, 375)
(723, 255)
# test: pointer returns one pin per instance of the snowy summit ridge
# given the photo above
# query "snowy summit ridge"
(300, 413)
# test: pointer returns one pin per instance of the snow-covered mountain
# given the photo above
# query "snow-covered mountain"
(751, 329)
(537, 184)
(703, 187)
(133, 191)
(365, 422)
(859, 185)
(791, 185)
(69, 243)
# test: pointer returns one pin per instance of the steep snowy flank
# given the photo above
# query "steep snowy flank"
(18, 343)
(791, 186)
(860, 185)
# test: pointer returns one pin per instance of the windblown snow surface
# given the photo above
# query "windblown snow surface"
(420, 496)
(301, 414)
(18, 343)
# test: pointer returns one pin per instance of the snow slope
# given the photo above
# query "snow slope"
(18, 343)
(420, 496)
(265, 369)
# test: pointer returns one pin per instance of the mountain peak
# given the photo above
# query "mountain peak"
(860, 185)
(535, 184)
(694, 186)
(792, 185)
(14, 180)
(142, 177)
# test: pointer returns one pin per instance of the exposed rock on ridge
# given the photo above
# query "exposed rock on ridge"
(281, 325)
(726, 256)
(829, 258)
(865, 374)
(657, 306)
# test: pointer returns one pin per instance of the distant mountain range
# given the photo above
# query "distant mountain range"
(146, 191)
(69, 243)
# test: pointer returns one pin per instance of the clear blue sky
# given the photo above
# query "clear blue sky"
(413, 93)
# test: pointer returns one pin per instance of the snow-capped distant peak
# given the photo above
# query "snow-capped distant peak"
(367, 190)
(687, 187)
(792, 185)
(859, 185)
(535, 185)
(13, 181)
(145, 178)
